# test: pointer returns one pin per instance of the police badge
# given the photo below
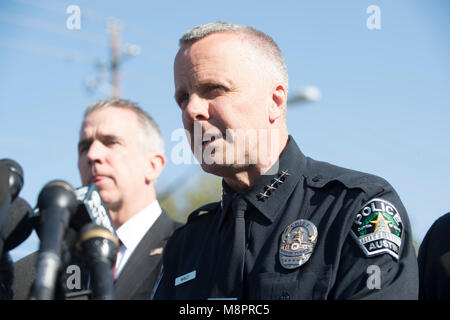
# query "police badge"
(297, 243)
(378, 228)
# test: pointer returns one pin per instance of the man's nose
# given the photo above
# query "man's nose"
(95, 153)
(197, 109)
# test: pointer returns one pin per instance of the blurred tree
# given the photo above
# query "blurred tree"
(205, 188)
(416, 247)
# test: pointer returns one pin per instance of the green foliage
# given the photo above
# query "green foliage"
(184, 198)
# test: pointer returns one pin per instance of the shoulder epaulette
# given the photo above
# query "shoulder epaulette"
(203, 210)
(327, 173)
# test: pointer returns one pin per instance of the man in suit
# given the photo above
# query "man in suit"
(120, 150)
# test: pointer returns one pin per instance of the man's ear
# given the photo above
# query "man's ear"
(278, 103)
(156, 163)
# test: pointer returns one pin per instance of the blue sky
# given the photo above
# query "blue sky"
(385, 93)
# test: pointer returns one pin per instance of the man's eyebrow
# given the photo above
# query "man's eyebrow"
(178, 91)
(102, 137)
(84, 142)
(111, 137)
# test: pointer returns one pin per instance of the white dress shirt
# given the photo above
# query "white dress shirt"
(132, 231)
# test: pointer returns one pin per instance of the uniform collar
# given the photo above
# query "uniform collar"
(271, 191)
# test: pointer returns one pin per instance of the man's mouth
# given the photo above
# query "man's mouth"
(207, 140)
(97, 178)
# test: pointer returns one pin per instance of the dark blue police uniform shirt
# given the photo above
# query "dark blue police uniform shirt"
(363, 247)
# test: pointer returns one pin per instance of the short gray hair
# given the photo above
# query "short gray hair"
(263, 43)
(151, 135)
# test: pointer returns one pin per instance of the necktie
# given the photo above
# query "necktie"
(236, 271)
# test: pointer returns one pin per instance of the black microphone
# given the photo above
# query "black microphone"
(91, 208)
(18, 225)
(5, 200)
(56, 202)
(97, 248)
(11, 182)
(6, 277)
(11, 173)
(67, 259)
(15, 177)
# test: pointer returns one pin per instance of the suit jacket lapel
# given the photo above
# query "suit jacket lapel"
(145, 261)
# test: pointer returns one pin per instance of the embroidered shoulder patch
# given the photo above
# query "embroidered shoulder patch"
(378, 228)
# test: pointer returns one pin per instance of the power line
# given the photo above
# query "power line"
(88, 14)
(26, 22)
(118, 54)
(49, 51)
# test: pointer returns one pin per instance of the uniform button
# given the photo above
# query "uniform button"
(285, 296)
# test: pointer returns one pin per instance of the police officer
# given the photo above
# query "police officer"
(434, 261)
(287, 226)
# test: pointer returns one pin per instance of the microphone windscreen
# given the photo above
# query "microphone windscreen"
(15, 176)
(5, 200)
(18, 225)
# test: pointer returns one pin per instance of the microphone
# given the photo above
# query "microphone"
(6, 277)
(18, 225)
(91, 209)
(97, 248)
(56, 202)
(68, 244)
(11, 176)
(15, 177)
(11, 182)
(5, 200)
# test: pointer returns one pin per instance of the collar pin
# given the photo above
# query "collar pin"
(262, 196)
(273, 186)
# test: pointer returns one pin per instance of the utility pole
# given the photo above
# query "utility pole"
(118, 55)
(114, 28)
